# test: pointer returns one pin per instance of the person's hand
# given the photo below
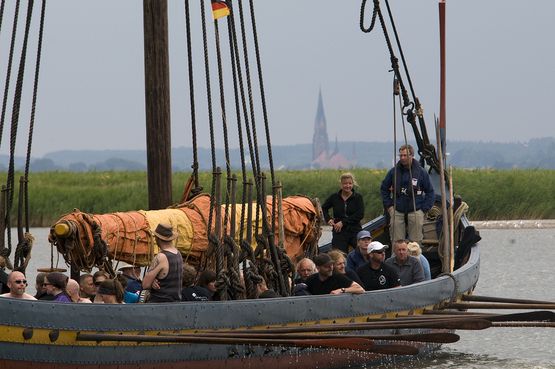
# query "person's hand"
(155, 285)
(338, 226)
(331, 222)
(336, 292)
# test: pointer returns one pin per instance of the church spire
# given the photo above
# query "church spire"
(320, 142)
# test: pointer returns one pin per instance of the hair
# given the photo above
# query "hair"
(122, 280)
(40, 278)
(400, 241)
(72, 289)
(309, 261)
(58, 280)
(407, 147)
(189, 275)
(100, 273)
(336, 255)
(206, 277)
(111, 287)
(414, 249)
(83, 277)
(348, 175)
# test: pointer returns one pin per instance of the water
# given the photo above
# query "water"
(514, 263)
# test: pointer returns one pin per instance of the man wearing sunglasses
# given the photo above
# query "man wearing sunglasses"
(375, 274)
(17, 284)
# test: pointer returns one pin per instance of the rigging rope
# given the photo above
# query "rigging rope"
(14, 126)
(425, 149)
(195, 165)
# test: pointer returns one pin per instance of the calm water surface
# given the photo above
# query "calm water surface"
(514, 263)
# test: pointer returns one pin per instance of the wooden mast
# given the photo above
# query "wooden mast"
(157, 103)
(442, 122)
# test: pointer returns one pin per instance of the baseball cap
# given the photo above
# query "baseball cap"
(376, 246)
(363, 234)
(322, 259)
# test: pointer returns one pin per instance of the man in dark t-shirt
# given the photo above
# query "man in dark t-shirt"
(376, 275)
(326, 282)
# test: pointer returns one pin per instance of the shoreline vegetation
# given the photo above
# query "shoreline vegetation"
(491, 194)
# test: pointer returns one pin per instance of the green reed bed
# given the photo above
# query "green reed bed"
(491, 194)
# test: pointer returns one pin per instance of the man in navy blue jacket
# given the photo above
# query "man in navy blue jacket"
(409, 184)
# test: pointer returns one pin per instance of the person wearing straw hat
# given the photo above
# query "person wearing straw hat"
(416, 251)
(132, 274)
(166, 268)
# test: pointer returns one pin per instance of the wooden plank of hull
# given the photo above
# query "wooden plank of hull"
(272, 358)
(65, 320)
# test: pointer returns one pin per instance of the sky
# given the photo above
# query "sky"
(500, 72)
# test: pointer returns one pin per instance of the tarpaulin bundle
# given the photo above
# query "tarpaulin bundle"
(86, 239)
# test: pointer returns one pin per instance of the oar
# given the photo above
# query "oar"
(503, 299)
(422, 337)
(530, 316)
(487, 305)
(465, 324)
(524, 324)
(357, 344)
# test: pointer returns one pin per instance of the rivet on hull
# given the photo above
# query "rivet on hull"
(27, 333)
(53, 335)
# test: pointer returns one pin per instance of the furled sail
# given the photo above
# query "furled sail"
(86, 239)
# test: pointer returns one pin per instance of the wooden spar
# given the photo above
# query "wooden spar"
(446, 257)
(442, 113)
(157, 103)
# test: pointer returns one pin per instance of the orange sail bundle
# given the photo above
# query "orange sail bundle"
(86, 239)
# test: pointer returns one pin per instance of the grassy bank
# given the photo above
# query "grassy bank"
(491, 194)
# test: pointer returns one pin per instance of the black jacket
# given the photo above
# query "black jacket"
(349, 212)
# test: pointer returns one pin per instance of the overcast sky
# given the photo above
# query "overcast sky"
(500, 76)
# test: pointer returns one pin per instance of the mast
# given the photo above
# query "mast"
(448, 254)
(442, 122)
(157, 103)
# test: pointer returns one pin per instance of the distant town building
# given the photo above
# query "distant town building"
(321, 155)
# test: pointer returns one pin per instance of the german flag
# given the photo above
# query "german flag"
(219, 9)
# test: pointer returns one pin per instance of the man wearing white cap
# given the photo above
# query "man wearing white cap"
(359, 256)
(376, 275)
(409, 268)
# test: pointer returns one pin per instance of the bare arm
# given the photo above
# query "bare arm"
(158, 269)
(353, 288)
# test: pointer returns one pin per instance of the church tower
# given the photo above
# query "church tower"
(320, 142)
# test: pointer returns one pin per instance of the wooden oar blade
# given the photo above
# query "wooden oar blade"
(357, 344)
(531, 316)
(395, 350)
(423, 337)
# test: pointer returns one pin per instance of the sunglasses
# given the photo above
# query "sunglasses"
(21, 281)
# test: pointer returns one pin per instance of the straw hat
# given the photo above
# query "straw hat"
(414, 248)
